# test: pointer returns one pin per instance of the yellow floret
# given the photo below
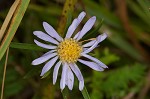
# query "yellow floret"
(69, 50)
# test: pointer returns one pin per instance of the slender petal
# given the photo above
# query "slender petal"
(99, 39)
(91, 48)
(81, 85)
(81, 16)
(91, 65)
(63, 76)
(88, 25)
(51, 31)
(43, 58)
(95, 60)
(48, 65)
(75, 37)
(84, 49)
(72, 28)
(55, 72)
(45, 37)
(46, 46)
(77, 71)
(70, 79)
(75, 24)
(89, 44)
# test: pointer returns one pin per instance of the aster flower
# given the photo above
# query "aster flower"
(66, 52)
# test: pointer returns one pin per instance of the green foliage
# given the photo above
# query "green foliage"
(127, 67)
(26, 46)
(116, 82)
(120, 42)
(139, 11)
(108, 57)
(102, 13)
(12, 81)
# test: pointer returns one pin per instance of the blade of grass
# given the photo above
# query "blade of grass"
(102, 13)
(8, 18)
(98, 27)
(17, 17)
(85, 93)
(4, 74)
(137, 10)
(120, 42)
(26, 46)
(145, 5)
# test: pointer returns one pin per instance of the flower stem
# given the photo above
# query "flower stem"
(64, 93)
(85, 93)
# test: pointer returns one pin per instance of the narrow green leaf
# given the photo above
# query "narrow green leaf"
(120, 42)
(46, 74)
(145, 4)
(98, 27)
(26, 46)
(18, 15)
(102, 13)
(137, 10)
(85, 93)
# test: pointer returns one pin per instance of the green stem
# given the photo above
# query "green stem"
(64, 94)
(85, 93)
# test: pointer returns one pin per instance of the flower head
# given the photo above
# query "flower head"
(68, 51)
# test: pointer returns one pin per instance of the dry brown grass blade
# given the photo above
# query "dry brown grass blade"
(146, 87)
(14, 24)
(4, 74)
(8, 18)
(68, 7)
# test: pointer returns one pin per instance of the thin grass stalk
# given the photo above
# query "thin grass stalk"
(4, 74)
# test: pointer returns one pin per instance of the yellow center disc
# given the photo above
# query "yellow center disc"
(69, 50)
